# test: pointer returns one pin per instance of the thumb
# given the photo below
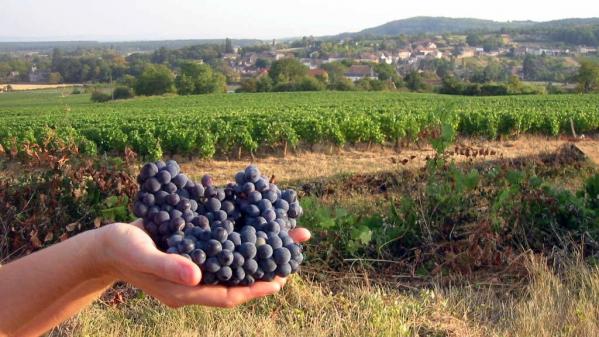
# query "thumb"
(171, 267)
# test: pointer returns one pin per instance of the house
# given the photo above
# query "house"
(311, 63)
(230, 56)
(357, 72)
(386, 58)
(404, 54)
(13, 76)
(334, 58)
(368, 58)
(586, 50)
(425, 51)
(467, 52)
(249, 60)
(37, 76)
(430, 45)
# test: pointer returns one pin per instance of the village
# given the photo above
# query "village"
(467, 57)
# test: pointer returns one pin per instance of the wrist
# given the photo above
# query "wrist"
(98, 255)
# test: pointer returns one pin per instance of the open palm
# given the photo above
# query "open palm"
(131, 255)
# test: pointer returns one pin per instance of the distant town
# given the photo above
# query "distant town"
(546, 60)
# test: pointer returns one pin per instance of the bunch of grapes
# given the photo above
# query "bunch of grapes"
(237, 234)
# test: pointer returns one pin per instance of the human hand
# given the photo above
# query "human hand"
(128, 253)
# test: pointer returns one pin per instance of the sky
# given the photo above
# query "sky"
(262, 19)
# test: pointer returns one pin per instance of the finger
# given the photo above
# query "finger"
(300, 235)
(281, 281)
(171, 267)
(220, 296)
(139, 223)
(215, 296)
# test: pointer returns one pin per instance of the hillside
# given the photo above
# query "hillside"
(441, 25)
(122, 46)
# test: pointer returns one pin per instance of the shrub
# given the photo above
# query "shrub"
(310, 84)
(100, 97)
(122, 93)
(69, 196)
(155, 80)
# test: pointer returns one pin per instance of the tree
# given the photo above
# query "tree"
(264, 84)
(54, 78)
(474, 39)
(451, 86)
(310, 84)
(414, 81)
(128, 81)
(588, 76)
(336, 71)
(287, 71)
(492, 43)
(154, 80)
(196, 78)
(342, 84)
(262, 63)
(387, 72)
(248, 85)
(229, 46)
(185, 85)
(122, 93)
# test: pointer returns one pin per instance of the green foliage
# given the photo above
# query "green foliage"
(544, 68)
(287, 71)
(196, 78)
(342, 84)
(262, 63)
(122, 93)
(591, 190)
(310, 84)
(247, 121)
(99, 96)
(336, 71)
(184, 84)
(415, 81)
(588, 76)
(452, 86)
(154, 80)
(352, 233)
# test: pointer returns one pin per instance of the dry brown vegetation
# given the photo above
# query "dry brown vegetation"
(310, 165)
(22, 87)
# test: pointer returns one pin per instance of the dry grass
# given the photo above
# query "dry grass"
(549, 305)
(22, 87)
(311, 165)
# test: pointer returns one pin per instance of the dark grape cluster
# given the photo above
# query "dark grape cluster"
(237, 234)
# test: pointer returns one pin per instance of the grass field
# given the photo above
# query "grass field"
(549, 305)
(383, 260)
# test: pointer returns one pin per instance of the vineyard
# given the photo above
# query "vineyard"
(212, 125)
(448, 237)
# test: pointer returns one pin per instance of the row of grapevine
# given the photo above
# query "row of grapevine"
(207, 125)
